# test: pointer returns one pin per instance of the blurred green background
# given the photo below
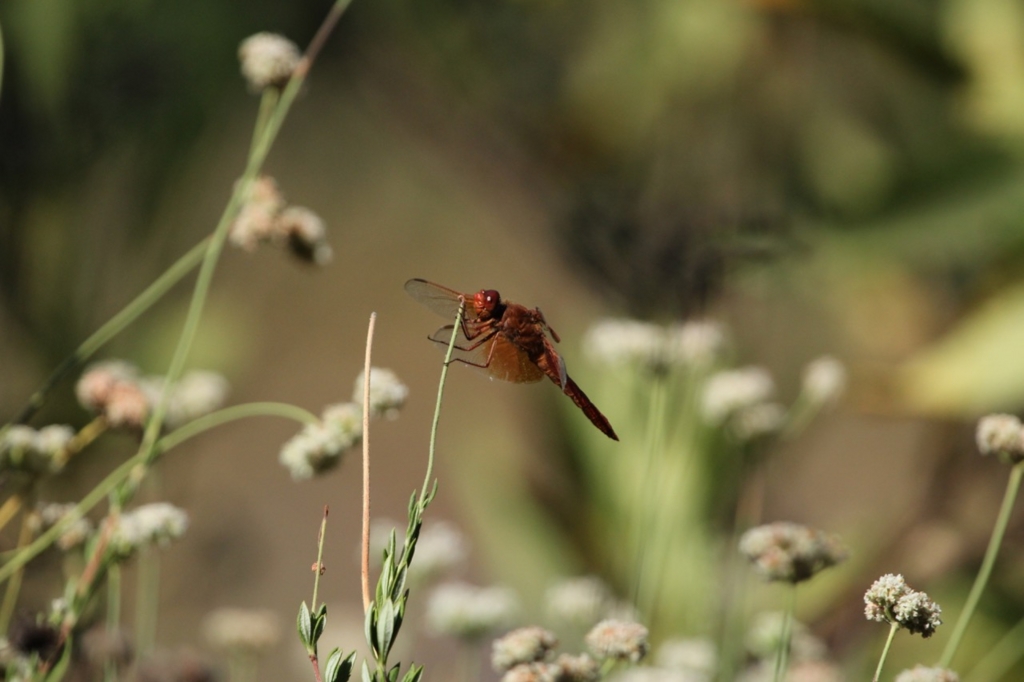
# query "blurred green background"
(832, 176)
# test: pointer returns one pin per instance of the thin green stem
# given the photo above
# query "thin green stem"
(48, 537)
(364, 572)
(1001, 658)
(985, 572)
(440, 394)
(319, 558)
(646, 513)
(147, 600)
(113, 624)
(885, 651)
(13, 590)
(114, 326)
(782, 655)
(229, 414)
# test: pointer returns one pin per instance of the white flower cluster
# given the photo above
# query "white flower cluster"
(618, 640)
(625, 341)
(923, 673)
(74, 535)
(890, 600)
(268, 60)
(470, 612)
(824, 380)
(579, 602)
(387, 393)
(233, 630)
(765, 633)
(1001, 435)
(197, 393)
(151, 524)
(696, 657)
(267, 219)
(790, 552)
(731, 391)
(25, 449)
(318, 447)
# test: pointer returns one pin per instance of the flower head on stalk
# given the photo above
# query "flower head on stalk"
(618, 640)
(113, 390)
(468, 612)
(49, 515)
(197, 393)
(890, 600)
(728, 392)
(387, 393)
(922, 673)
(697, 657)
(267, 60)
(151, 524)
(790, 552)
(26, 450)
(1001, 435)
(266, 218)
(653, 346)
(318, 447)
(526, 645)
(578, 602)
(246, 631)
(824, 380)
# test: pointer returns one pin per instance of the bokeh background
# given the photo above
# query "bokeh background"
(828, 176)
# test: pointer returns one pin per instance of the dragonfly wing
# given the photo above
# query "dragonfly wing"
(442, 300)
(509, 362)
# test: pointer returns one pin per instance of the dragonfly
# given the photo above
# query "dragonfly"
(509, 340)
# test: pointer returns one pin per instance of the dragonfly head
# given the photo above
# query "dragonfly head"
(485, 302)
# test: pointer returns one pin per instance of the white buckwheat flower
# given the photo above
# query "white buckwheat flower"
(790, 552)
(695, 343)
(268, 60)
(387, 393)
(236, 631)
(257, 221)
(730, 391)
(151, 524)
(890, 600)
(525, 645)
(697, 656)
(318, 447)
(24, 449)
(1001, 435)
(824, 380)
(921, 673)
(618, 640)
(307, 235)
(469, 612)
(578, 602)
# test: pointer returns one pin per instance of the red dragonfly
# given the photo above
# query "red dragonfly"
(510, 341)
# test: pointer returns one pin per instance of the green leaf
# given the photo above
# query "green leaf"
(386, 627)
(318, 625)
(393, 673)
(366, 673)
(414, 675)
(339, 669)
(304, 624)
(370, 627)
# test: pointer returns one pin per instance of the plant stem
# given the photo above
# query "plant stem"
(319, 557)
(14, 586)
(782, 655)
(228, 414)
(147, 600)
(113, 624)
(365, 567)
(153, 293)
(1012, 488)
(646, 501)
(440, 395)
(885, 652)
